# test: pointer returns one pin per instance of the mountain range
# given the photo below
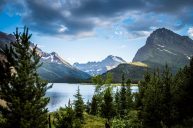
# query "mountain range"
(54, 68)
(97, 68)
(162, 47)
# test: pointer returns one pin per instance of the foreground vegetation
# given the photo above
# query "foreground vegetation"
(164, 100)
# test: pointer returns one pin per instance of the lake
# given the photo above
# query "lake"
(60, 94)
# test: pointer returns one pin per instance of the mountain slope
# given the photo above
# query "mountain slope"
(164, 46)
(54, 68)
(130, 70)
(96, 68)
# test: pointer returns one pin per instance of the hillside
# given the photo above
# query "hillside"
(131, 71)
(54, 68)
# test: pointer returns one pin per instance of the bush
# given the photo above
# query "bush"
(118, 123)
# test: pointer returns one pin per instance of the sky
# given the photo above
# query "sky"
(90, 30)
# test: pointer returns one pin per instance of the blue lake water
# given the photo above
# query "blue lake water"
(60, 94)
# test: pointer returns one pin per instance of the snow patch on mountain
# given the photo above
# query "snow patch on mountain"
(160, 45)
(96, 68)
(165, 50)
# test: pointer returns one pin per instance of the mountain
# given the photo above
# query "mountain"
(96, 68)
(164, 46)
(134, 71)
(54, 68)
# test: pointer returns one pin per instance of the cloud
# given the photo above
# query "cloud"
(80, 18)
(62, 29)
(190, 31)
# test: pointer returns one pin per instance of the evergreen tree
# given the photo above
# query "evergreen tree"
(79, 106)
(88, 107)
(123, 80)
(141, 87)
(157, 100)
(128, 95)
(188, 92)
(97, 80)
(21, 87)
(94, 105)
(117, 103)
(167, 82)
(139, 97)
(107, 106)
(65, 118)
(123, 99)
(182, 92)
(128, 82)
(109, 78)
(151, 102)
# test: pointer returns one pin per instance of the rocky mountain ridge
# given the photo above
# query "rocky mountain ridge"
(54, 68)
(97, 68)
(166, 47)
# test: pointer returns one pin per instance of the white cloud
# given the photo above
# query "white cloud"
(190, 31)
(62, 28)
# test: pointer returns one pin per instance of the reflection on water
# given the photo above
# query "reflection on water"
(60, 94)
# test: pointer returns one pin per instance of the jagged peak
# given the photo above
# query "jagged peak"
(54, 53)
(161, 31)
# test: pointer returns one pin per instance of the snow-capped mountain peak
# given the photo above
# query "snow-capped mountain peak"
(53, 57)
(116, 58)
(96, 68)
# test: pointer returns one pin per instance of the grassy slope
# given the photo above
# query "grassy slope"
(93, 122)
(90, 121)
(140, 64)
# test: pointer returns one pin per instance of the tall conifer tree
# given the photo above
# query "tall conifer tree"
(79, 106)
(108, 106)
(21, 87)
(123, 98)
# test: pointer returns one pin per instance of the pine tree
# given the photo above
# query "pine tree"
(167, 82)
(88, 107)
(123, 99)
(94, 105)
(151, 102)
(182, 92)
(129, 95)
(157, 100)
(108, 106)
(21, 87)
(79, 106)
(64, 118)
(117, 102)
(188, 91)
